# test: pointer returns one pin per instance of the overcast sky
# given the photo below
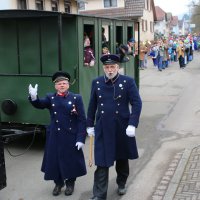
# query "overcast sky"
(176, 7)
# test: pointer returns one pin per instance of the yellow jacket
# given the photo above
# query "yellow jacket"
(180, 51)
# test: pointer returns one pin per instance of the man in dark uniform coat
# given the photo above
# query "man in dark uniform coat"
(115, 104)
(63, 157)
(2, 165)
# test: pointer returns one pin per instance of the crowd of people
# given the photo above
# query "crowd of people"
(165, 51)
(112, 117)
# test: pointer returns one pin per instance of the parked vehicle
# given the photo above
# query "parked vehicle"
(35, 44)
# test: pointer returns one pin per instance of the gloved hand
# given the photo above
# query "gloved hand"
(79, 145)
(90, 131)
(130, 131)
(92, 63)
(33, 91)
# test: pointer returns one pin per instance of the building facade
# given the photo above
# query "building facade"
(147, 21)
(161, 23)
(142, 11)
(68, 6)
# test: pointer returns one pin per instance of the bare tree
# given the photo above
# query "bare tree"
(195, 19)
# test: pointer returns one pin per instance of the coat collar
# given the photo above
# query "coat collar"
(63, 95)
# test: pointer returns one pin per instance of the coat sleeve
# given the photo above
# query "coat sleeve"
(136, 103)
(92, 107)
(81, 135)
(41, 103)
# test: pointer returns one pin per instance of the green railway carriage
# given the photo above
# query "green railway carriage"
(35, 44)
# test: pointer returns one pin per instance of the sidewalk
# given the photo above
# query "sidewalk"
(182, 179)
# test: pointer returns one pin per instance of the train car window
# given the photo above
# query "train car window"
(105, 39)
(39, 4)
(89, 47)
(21, 4)
(119, 37)
(130, 32)
(130, 36)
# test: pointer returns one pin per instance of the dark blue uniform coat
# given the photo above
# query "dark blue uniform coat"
(68, 126)
(115, 105)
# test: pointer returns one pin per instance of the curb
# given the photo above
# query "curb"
(174, 183)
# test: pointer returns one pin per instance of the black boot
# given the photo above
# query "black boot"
(69, 187)
(57, 190)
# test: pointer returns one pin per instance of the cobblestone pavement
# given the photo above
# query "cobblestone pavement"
(182, 179)
(166, 179)
(189, 186)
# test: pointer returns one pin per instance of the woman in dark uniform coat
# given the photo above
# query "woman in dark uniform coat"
(115, 104)
(63, 157)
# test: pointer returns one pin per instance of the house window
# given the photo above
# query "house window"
(150, 5)
(22, 4)
(67, 6)
(54, 5)
(144, 25)
(151, 27)
(81, 5)
(110, 3)
(146, 4)
(39, 5)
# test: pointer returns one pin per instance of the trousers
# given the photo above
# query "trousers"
(61, 182)
(101, 177)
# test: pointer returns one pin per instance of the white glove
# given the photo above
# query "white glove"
(90, 131)
(79, 145)
(33, 91)
(130, 131)
(92, 63)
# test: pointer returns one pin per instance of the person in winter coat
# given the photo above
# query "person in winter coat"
(142, 54)
(63, 159)
(181, 54)
(154, 54)
(89, 59)
(112, 97)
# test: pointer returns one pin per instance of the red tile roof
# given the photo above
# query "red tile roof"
(132, 9)
(174, 21)
(160, 14)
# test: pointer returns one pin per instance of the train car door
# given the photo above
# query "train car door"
(88, 55)
(70, 49)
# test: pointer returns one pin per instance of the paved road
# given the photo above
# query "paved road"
(168, 126)
(170, 121)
